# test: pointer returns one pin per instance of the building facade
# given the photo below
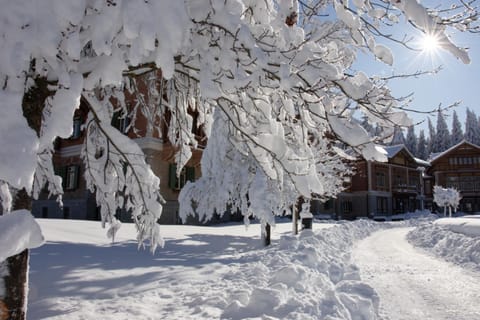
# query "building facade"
(79, 203)
(380, 190)
(459, 168)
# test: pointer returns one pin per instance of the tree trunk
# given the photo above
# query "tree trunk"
(266, 234)
(15, 301)
(13, 305)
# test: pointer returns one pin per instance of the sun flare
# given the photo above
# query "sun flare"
(430, 43)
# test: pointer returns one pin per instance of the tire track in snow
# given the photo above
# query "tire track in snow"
(413, 285)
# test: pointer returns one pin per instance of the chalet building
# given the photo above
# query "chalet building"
(379, 190)
(79, 203)
(459, 168)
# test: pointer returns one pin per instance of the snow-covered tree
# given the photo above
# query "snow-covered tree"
(397, 137)
(446, 198)
(274, 77)
(421, 151)
(366, 124)
(411, 140)
(457, 132)
(441, 141)
(472, 129)
(431, 137)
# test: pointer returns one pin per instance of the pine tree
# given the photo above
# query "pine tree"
(472, 131)
(398, 137)
(365, 123)
(457, 133)
(431, 137)
(421, 151)
(441, 140)
(411, 140)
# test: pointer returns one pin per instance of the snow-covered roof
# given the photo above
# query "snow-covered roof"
(392, 151)
(435, 156)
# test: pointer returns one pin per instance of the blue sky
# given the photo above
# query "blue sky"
(455, 82)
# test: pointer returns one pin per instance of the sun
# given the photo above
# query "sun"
(430, 43)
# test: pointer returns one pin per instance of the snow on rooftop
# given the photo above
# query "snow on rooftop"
(437, 155)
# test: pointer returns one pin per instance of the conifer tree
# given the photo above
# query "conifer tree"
(398, 137)
(472, 131)
(442, 140)
(457, 132)
(431, 137)
(411, 140)
(421, 151)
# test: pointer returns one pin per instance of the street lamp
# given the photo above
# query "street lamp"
(422, 195)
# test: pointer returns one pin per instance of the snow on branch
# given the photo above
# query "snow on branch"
(269, 82)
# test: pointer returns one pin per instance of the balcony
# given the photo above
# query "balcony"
(405, 188)
(465, 186)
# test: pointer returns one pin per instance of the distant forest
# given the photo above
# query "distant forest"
(439, 137)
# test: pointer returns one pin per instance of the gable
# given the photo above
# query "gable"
(463, 152)
(403, 158)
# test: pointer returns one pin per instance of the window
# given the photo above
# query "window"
(120, 121)
(380, 179)
(177, 182)
(347, 206)
(400, 180)
(382, 204)
(77, 125)
(327, 205)
(70, 176)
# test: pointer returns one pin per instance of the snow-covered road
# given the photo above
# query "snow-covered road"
(414, 285)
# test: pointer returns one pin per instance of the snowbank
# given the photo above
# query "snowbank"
(18, 231)
(454, 239)
(218, 272)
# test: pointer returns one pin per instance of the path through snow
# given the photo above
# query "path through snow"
(413, 285)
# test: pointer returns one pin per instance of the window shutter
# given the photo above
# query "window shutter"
(172, 176)
(190, 174)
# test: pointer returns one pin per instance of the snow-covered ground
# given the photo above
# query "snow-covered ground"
(224, 272)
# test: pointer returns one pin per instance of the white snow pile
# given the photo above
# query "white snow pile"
(18, 231)
(456, 240)
(202, 273)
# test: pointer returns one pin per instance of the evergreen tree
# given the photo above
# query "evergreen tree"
(472, 131)
(421, 151)
(398, 137)
(431, 137)
(365, 123)
(457, 132)
(441, 140)
(411, 141)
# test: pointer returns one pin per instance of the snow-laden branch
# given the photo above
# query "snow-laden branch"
(278, 72)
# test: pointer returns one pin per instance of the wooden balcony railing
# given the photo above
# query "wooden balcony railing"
(406, 188)
(465, 186)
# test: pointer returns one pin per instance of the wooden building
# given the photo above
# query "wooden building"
(380, 190)
(459, 168)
